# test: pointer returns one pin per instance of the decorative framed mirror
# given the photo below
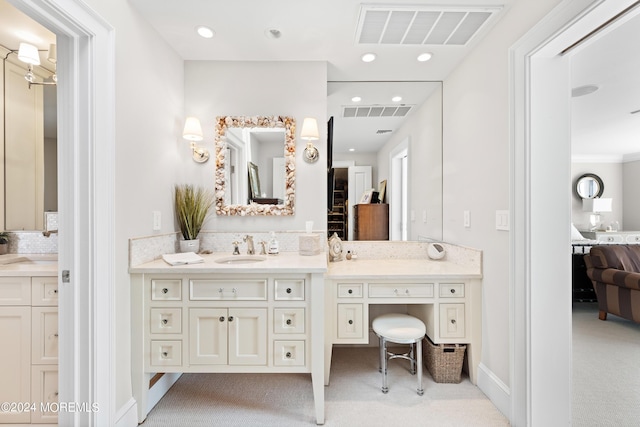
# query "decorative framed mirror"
(589, 186)
(255, 165)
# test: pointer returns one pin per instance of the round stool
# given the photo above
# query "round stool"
(400, 329)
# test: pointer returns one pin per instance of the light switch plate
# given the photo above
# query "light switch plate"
(467, 219)
(157, 220)
(502, 220)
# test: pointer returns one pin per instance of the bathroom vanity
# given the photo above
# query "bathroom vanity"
(231, 314)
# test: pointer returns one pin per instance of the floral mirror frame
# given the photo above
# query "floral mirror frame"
(289, 125)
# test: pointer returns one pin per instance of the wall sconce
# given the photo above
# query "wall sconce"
(596, 206)
(310, 133)
(29, 54)
(193, 132)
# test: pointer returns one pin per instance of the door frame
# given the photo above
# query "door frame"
(86, 159)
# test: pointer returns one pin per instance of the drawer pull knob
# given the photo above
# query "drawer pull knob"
(230, 318)
(453, 321)
(289, 322)
(165, 321)
(288, 290)
(221, 318)
(288, 355)
(55, 291)
(453, 291)
(220, 290)
(165, 354)
(165, 290)
(350, 291)
(234, 290)
(351, 322)
(395, 291)
(406, 291)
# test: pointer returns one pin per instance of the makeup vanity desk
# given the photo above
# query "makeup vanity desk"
(445, 295)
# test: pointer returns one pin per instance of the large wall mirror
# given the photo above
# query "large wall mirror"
(255, 165)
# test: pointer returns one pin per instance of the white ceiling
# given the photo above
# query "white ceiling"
(326, 30)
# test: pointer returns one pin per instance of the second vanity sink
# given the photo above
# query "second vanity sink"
(29, 260)
(240, 259)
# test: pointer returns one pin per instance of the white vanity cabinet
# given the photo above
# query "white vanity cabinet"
(216, 318)
(613, 236)
(449, 306)
(29, 360)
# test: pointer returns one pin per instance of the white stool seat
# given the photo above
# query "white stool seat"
(400, 329)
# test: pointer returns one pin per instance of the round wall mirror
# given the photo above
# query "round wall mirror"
(589, 186)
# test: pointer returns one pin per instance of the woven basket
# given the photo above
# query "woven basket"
(443, 361)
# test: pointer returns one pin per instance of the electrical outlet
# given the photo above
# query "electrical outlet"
(424, 216)
(467, 219)
(157, 220)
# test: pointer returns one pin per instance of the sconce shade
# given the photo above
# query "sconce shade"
(192, 129)
(596, 205)
(52, 56)
(310, 129)
(28, 53)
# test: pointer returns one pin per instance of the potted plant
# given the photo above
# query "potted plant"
(4, 243)
(192, 205)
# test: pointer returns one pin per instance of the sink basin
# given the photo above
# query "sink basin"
(240, 259)
(29, 260)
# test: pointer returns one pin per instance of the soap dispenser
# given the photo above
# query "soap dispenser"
(273, 244)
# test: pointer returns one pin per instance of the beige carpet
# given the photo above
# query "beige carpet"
(353, 399)
(606, 369)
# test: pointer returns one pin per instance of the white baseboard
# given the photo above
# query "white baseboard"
(495, 390)
(160, 388)
(127, 415)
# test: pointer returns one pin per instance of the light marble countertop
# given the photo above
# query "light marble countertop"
(29, 265)
(284, 262)
(401, 268)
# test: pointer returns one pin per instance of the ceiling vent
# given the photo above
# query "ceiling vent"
(421, 25)
(383, 131)
(376, 111)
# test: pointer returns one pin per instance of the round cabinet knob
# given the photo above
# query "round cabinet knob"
(288, 355)
(395, 291)
(453, 291)
(165, 321)
(165, 354)
(289, 290)
(55, 291)
(221, 318)
(453, 321)
(230, 318)
(350, 291)
(406, 291)
(234, 290)
(220, 290)
(288, 322)
(351, 322)
(165, 290)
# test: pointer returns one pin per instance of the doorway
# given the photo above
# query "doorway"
(399, 192)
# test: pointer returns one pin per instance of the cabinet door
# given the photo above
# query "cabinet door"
(247, 336)
(452, 320)
(15, 360)
(350, 321)
(44, 291)
(44, 393)
(44, 321)
(208, 336)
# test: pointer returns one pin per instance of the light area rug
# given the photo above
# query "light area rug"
(606, 369)
(352, 399)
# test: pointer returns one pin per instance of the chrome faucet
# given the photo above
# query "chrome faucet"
(250, 249)
(49, 233)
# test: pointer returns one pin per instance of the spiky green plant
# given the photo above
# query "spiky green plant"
(192, 206)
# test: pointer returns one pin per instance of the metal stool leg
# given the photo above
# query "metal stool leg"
(418, 361)
(383, 360)
(412, 358)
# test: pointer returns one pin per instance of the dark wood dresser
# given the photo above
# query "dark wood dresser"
(371, 221)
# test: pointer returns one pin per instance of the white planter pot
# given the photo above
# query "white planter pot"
(190, 245)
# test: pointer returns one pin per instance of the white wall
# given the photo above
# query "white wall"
(612, 177)
(476, 167)
(228, 88)
(424, 131)
(149, 114)
(631, 195)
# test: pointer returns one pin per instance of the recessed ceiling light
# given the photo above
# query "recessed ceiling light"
(424, 57)
(396, 99)
(356, 99)
(583, 90)
(352, 149)
(273, 33)
(205, 32)
(368, 57)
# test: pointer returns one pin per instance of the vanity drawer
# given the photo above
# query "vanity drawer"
(15, 291)
(44, 335)
(400, 290)
(288, 320)
(288, 353)
(166, 353)
(166, 289)
(228, 290)
(451, 290)
(633, 238)
(166, 321)
(350, 290)
(289, 290)
(452, 320)
(44, 291)
(350, 321)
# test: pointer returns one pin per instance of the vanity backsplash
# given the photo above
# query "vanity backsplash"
(32, 242)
